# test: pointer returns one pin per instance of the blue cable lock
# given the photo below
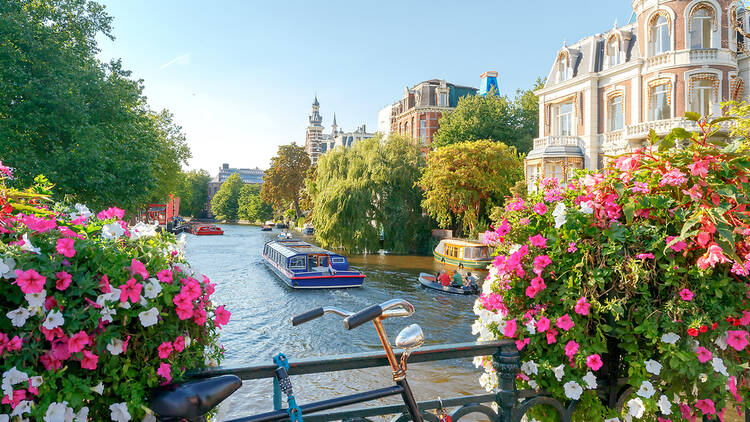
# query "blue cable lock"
(294, 412)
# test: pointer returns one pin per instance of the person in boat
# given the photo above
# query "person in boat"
(470, 282)
(457, 280)
(444, 278)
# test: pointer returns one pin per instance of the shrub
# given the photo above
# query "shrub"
(93, 314)
(648, 260)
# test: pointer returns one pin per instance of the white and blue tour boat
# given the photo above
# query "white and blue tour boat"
(305, 266)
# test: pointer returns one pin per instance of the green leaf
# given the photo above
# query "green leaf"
(722, 119)
(629, 210)
(681, 133)
(691, 115)
(667, 142)
(689, 224)
(653, 137)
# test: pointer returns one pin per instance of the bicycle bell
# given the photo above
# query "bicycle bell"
(410, 338)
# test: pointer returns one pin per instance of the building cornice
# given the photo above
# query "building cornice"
(424, 109)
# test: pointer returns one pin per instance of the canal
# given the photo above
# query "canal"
(261, 306)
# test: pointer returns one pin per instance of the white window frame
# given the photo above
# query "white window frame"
(697, 28)
(610, 120)
(663, 88)
(612, 59)
(560, 119)
(657, 31)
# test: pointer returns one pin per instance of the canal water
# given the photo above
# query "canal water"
(262, 305)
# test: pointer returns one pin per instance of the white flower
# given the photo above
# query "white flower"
(664, 405)
(559, 214)
(24, 406)
(59, 412)
(533, 384)
(646, 390)
(719, 366)
(587, 207)
(36, 300)
(36, 381)
(152, 288)
(107, 313)
(187, 341)
(612, 420)
(721, 341)
(143, 230)
(702, 377)
(670, 338)
(54, 319)
(573, 391)
(115, 346)
(653, 367)
(636, 407)
(478, 361)
(99, 388)
(488, 381)
(4, 268)
(119, 412)
(529, 368)
(11, 271)
(559, 372)
(531, 326)
(27, 246)
(12, 377)
(18, 317)
(82, 415)
(112, 231)
(81, 211)
(4, 418)
(149, 317)
(590, 380)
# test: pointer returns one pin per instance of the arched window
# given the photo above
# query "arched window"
(701, 27)
(659, 38)
(616, 117)
(704, 93)
(660, 101)
(564, 71)
(613, 52)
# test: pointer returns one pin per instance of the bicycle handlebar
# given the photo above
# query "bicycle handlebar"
(354, 320)
(307, 316)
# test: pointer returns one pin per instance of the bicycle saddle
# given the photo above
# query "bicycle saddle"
(194, 398)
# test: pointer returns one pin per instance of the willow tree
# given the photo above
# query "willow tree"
(366, 191)
(463, 181)
(285, 179)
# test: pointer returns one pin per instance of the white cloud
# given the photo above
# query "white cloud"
(179, 60)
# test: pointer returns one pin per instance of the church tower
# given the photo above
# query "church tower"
(314, 132)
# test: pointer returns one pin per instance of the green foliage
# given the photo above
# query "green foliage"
(82, 123)
(498, 118)
(251, 207)
(225, 204)
(368, 188)
(463, 181)
(193, 192)
(285, 179)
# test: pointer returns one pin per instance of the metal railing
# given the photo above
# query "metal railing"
(511, 403)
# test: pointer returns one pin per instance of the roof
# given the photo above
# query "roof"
(291, 248)
(459, 242)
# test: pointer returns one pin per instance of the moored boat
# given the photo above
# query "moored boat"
(462, 254)
(302, 265)
(207, 230)
(265, 228)
(429, 280)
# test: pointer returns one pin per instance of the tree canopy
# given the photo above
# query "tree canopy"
(225, 204)
(463, 181)
(251, 207)
(284, 180)
(193, 192)
(368, 189)
(511, 121)
(82, 123)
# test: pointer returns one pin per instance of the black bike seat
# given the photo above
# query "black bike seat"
(194, 398)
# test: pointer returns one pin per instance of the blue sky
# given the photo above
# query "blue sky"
(240, 76)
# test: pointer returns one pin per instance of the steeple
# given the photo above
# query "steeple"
(315, 118)
(334, 126)
(334, 119)
(316, 103)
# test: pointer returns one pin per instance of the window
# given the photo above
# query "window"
(337, 260)
(423, 131)
(531, 175)
(616, 118)
(297, 263)
(563, 69)
(563, 119)
(701, 28)
(700, 100)
(443, 100)
(554, 170)
(659, 40)
(659, 108)
(613, 52)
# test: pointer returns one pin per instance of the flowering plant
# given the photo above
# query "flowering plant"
(93, 313)
(641, 271)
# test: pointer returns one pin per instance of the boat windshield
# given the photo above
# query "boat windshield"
(478, 252)
(297, 263)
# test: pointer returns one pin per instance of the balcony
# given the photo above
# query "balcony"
(555, 141)
(693, 57)
(706, 54)
(557, 146)
(663, 127)
(660, 60)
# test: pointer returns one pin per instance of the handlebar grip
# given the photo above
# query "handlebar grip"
(363, 316)
(307, 316)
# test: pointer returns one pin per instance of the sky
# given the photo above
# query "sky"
(240, 75)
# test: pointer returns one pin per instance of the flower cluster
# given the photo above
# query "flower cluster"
(94, 313)
(644, 263)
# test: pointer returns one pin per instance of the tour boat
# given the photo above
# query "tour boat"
(302, 265)
(428, 280)
(207, 230)
(462, 254)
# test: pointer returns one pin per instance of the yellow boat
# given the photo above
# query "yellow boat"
(462, 254)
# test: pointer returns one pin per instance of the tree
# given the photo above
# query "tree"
(360, 192)
(251, 207)
(463, 181)
(193, 192)
(225, 204)
(498, 118)
(285, 179)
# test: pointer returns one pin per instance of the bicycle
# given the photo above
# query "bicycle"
(192, 400)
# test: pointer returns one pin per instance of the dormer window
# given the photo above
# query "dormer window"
(564, 70)
(443, 99)
(701, 27)
(659, 38)
(612, 52)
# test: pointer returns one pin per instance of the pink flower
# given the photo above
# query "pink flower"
(520, 344)
(645, 256)
(165, 371)
(179, 343)
(112, 212)
(582, 307)
(137, 267)
(565, 323)
(627, 163)
(63, 280)
(30, 281)
(594, 362)
(540, 208)
(714, 255)
(704, 355)
(517, 205)
(503, 228)
(89, 360)
(191, 289)
(551, 336)
(222, 318)
(695, 193)
(50, 363)
(184, 312)
(165, 276)
(130, 290)
(571, 349)
(78, 342)
(543, 324)
(37, 224)
(699, 168)
(686, 295)
(104, 285)
(737, 339)
(65, 247)
(745, 318)
(679, 246)
(165, 349)
(641, 187)
(510, 328)
(539, 241)
(673, 177)
(542, 261)
(199, 316)
(686, 412)
(182, 301)
(706, 406)
(572, 247)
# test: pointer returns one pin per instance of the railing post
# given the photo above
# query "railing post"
(276, 395)
(507, 363)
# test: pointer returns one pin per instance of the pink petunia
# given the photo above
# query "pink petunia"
(678, 246)
(572, 247)
(551, 336)
(165, 371)
(112, 212)
(65, 247)
(165, 276)
(571, 349)
(539, 241)
(686, 295)
(63, 280)
(582, 307)
(104, 284)
(543, 324)
(191, 289)
(165, 349)
(137, 267)
(131, 290)
(704, 355)
(199, 316)
(520, 344)
(38, 224)
(565, 323)
(594, 362)
(540, 208)
(737, 339)
(89, 360)
(222, 318)
(30, 281)
(645, 256)
(179, 343)
(706, 406)
(78, 342)
(184, 312)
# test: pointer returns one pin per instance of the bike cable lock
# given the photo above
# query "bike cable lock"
(294, 412)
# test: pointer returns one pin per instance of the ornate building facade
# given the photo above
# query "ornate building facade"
(606, 92)
(317, 142)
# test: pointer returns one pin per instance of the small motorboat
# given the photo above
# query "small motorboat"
(207, 230)
(428, 280)
(285, 235)
(265, 228)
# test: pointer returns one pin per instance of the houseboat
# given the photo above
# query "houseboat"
(462, 254)
(302, 265)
